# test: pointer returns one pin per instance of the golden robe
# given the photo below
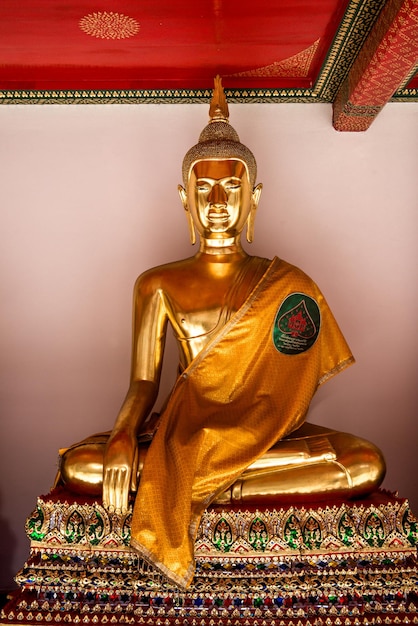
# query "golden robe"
(249, 387)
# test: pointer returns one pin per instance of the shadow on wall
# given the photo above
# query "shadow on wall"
(8, 545)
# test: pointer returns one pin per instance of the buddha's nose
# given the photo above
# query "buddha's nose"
(218, 196)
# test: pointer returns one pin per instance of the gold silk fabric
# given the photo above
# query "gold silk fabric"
(237, 398)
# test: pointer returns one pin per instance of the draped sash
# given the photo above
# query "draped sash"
(246, 390)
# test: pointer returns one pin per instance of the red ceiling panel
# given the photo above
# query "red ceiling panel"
(162, 44)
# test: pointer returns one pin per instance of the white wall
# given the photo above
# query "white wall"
(89, 200)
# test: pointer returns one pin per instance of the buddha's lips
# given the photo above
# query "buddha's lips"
(218, 215)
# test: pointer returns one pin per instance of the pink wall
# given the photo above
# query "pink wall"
(89, 200)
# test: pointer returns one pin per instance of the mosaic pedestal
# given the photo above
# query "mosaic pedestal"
(341, 563)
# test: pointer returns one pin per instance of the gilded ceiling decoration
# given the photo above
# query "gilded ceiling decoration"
(109, 25)
(297, 65)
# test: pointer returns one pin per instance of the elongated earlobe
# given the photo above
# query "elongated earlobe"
(190, 223)
(251, 217)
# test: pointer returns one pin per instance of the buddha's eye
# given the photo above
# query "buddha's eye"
(203, 186)
(233, 185)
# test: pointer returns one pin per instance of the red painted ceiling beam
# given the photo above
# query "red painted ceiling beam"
(387, 58)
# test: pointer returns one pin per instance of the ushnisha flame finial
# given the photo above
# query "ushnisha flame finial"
(218, 110)
(219, 140)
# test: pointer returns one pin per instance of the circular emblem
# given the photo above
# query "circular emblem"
(104, 25)
(296, 325)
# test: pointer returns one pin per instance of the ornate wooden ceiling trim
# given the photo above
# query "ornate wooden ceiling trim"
(409, 89)
(354, 29)
(151, 96)
(406, 94)
(387, 59)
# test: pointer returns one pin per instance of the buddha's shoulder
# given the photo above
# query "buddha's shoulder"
(293, 275)
(162, 277)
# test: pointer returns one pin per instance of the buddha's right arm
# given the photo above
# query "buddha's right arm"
(121, 453)
(108, 465)
(137, 405)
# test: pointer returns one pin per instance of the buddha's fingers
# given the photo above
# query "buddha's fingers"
(134, 471)
(116, 489)
(121, 490)
(108, 502)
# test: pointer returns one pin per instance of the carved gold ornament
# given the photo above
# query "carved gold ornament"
(109, 25)
(295, 66)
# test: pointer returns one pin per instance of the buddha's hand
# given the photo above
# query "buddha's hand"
(119, 471)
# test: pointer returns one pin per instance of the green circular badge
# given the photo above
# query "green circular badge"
(296, 325)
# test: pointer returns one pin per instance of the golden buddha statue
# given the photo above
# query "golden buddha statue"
(256, 338)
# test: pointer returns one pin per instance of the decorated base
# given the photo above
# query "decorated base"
(343, 563)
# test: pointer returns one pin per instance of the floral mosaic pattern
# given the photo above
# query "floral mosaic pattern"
(347, 565)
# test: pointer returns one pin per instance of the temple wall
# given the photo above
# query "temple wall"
(89, 200)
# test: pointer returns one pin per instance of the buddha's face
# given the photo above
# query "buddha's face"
(219, 197)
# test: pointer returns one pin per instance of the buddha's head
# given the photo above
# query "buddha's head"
(219, 174)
